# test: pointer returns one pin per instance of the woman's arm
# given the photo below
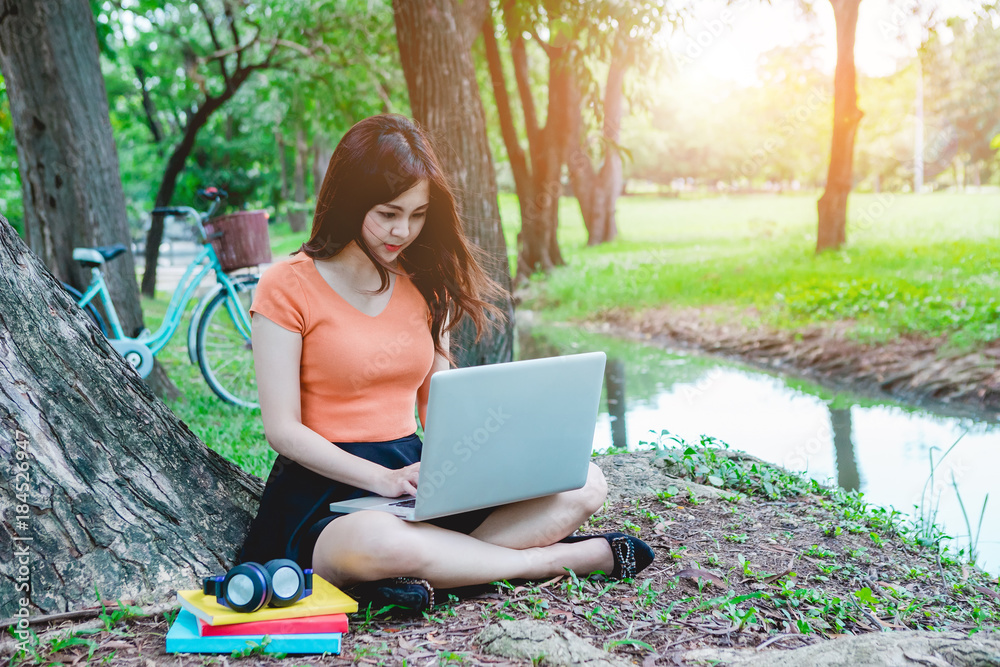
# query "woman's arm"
(277, 354)
(423, 393)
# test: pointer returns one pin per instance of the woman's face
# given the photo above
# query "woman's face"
(390, 227)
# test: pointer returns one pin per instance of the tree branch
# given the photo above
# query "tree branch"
(550, 50)
(520, 58)
(515, 153)
(470, 16)
(209, 20)
(228, 9)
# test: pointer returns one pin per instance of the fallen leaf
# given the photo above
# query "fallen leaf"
(774, 577)
(405, 645)
(987, 591)
(661, 527)
(695, 574)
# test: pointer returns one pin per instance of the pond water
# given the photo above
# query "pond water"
(879, 447)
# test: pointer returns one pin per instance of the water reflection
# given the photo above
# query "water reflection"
(880, 448)
(614, 385)
(847, 466)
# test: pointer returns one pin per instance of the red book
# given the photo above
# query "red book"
(280, 626)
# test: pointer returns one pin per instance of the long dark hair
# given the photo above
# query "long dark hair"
(377, 160)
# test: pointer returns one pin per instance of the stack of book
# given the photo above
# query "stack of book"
(314, 624)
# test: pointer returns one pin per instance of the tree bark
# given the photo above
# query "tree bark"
(435, 39)
(66, 154)
(832, 206)
(297, 216)
(106, 487)
(597, 191)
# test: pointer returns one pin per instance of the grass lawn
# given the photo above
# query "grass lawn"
(235, 433)
(912, 264)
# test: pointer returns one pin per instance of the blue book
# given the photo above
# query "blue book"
(183, 637)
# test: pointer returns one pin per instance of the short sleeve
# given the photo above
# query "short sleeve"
(280, 298)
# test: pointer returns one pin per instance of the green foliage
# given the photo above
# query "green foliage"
(710, 463)
(330, 67)
(10, 180)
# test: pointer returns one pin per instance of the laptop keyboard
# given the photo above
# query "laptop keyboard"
(405, 503)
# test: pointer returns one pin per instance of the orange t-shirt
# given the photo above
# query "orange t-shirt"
(359, 374)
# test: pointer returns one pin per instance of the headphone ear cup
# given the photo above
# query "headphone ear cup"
(247, 587)
(288, 582)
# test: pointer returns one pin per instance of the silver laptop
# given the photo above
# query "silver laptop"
(501, 433)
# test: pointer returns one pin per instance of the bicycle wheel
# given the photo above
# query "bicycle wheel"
(224, 352)
(95, 316)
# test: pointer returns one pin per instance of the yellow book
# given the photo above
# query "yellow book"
(325, 599)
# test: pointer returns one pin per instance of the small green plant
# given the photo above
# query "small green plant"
(61, 642)
(256, 649)
(738, 539)
(973, 541)
(667, 493)
(628, 642)
(123, 612)
(817, 551)
(449, 657)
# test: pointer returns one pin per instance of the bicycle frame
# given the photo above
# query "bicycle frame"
(184, 292)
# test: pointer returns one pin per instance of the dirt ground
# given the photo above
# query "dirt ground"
(757, 559)
(910, 368)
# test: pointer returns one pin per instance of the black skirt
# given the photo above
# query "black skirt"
(295, 506)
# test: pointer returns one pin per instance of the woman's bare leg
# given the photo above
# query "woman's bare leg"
(543, 521)
(371, 545)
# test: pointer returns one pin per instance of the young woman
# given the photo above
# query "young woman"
(346, 337)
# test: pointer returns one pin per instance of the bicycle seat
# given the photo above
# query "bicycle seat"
(99, 255)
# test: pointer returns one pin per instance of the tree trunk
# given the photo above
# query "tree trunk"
(598, 191)
(112, 490)
(832, 206)
(538, 183)
(297, 217)
(435, 38)
(321, 160)
(279, 139)
(66, 155)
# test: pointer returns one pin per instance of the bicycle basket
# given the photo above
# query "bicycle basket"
(244, 241)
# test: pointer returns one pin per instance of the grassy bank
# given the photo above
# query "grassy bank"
(924, 265)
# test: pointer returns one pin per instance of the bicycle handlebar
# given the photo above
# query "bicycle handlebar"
(213, 193)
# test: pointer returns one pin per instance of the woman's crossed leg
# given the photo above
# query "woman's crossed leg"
(519, 540)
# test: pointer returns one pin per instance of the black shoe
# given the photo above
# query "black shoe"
(405, 593)
(632, 555)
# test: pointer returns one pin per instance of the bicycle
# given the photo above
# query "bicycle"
(219, 332)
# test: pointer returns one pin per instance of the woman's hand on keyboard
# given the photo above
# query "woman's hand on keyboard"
(400, 482)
